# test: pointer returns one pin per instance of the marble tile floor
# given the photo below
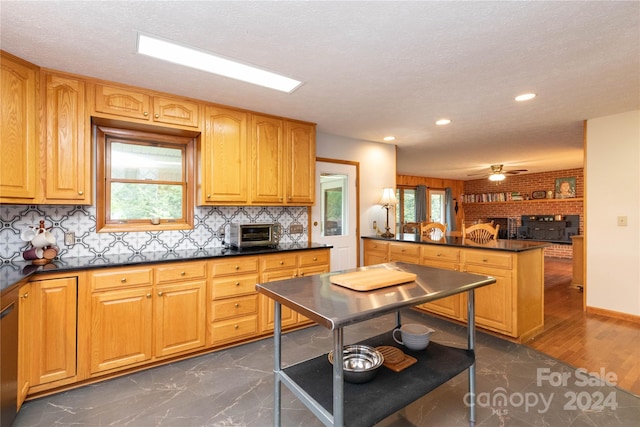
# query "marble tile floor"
(234, 387)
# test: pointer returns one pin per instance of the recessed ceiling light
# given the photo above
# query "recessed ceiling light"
(389, 138)
(215, 64)
(443, 122)
(525, 96)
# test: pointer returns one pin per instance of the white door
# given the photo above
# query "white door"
(334, 215)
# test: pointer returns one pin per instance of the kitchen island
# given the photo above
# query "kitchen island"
(320, 386)
(512, 308)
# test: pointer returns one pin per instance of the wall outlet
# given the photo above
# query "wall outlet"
(296, 229)
(70, 238)
(622, 221)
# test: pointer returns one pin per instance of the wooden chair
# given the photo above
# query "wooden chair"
(411, 227)
(433, 230)
(480, 232)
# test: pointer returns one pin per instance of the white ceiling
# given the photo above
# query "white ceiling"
(372, 69)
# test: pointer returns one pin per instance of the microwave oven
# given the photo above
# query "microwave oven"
(242, 236)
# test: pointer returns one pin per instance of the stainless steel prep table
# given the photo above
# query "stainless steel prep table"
(335, 307)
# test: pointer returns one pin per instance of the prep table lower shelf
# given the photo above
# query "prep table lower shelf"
(368, 403)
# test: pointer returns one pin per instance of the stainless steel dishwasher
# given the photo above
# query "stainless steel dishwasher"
(8, 357)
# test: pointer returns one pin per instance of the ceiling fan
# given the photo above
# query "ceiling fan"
(496, 173)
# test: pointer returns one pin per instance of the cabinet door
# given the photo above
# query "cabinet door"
(180, 320)
(53, 347)
(267, 153)
(450, 306)
(224, 167)
(121, 332)
(175, 111)
(67, 144)
(494, 303)
(267, 311)
(300, 163)
(24, 343)
(18, 131)
(122, 102)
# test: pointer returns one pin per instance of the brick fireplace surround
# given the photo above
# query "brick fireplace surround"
(526, 184)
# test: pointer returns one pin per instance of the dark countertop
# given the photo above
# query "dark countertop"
(12, 273)
(496, 245)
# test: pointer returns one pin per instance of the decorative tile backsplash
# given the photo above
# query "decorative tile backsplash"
(211, 224)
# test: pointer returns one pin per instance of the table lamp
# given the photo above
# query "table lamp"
(387, 200)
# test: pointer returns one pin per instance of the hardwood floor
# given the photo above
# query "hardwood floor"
(582, 340)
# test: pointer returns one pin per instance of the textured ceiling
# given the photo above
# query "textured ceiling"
(372, 69)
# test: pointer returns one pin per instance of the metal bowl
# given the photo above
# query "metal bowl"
(360, 363)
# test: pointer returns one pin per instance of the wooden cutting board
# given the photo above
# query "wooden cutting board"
(376, 278)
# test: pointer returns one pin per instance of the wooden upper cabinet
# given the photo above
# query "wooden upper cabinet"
(67, 143)
(223, 157)
(301, 163)
(18, 131)
(267, 160)
(175, 111)
(145, 107)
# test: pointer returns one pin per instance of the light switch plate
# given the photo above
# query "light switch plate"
(296, 229)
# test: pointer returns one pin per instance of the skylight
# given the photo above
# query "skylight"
(212, 63)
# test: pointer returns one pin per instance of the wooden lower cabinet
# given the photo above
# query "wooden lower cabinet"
(53, 305)
(233, 301)
(121, 328)
(513, 306)
(180, 318)
(135, 321)
(132, 317)
(24, 342)
(288, 266)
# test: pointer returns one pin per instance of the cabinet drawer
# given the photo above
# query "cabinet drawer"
(440, 253)
(233, 286)
(488, 258)
(313, 258)
(121, 278)
(234, 329)
(279, 261)
(376, 246)
(404, 251)
(183, 271)
(239, 265)
(234, 307)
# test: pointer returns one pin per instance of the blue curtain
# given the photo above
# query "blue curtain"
(421, 203)
(450, 214)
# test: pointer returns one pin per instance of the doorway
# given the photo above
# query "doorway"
(335, 214)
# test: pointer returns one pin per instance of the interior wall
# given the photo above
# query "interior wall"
(612, 183)
(377, 171)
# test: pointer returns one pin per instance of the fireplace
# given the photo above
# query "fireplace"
(549, 228)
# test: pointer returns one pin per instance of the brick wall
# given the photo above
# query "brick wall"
(526, 184)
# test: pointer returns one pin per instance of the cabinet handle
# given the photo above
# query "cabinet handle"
(157, 116)
(484, 260)
(301, 274)
(208, 196)
(25, 296)
(182, 273)
(80, 193)
(146, 113)
(235, 326)
(237, 267)
(315, 258)
(281, 262)
(438, 254)
(160, 293)
(237, 305)
(148, 295)
(124, 279)
(295, 275)
(237, 283)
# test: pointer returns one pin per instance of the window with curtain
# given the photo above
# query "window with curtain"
(406, 211)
